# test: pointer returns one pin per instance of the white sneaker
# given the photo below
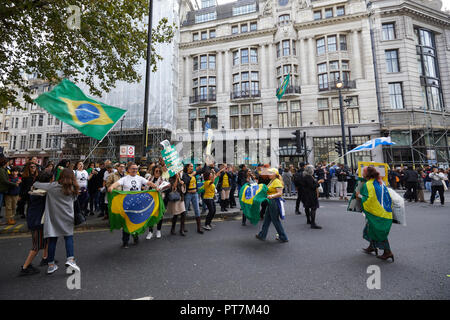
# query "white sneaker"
(52, 268)
(158, 234)
(149, 236)
(71, 263)
(207, 227)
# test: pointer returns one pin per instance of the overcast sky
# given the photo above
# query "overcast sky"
(445, 3)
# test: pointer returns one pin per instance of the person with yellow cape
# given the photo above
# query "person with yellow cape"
(376, 204)
(272, 214)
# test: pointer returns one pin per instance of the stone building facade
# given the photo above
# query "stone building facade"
(234, 57)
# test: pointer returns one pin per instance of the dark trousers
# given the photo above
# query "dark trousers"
(159, 225)
(263, 209)
(93, 194)
(232, 198)
(83, 199)
(326, 188)
(126, 237)
(211, 210)
(24, 199)
(299, 199)
(435, 189)
(411, 190)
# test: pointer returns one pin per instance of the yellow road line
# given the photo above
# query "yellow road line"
(8, 227)
(16, 229)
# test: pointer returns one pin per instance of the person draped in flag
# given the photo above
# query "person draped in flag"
(377, 207)
(208, 197)
(272, 214)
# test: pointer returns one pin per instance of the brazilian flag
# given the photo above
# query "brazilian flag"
(70, 105)
(134, 211)
(250, 197)
(282, 89)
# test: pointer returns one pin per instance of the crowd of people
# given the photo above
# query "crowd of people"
(49, 197)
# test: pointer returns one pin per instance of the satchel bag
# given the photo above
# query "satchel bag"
(78, 217)
(174, 196)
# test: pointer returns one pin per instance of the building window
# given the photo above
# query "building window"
(192, 119)
(244, 28)
(212, 62)
(203, 62)
(23, 142)
(328, 13)
(320, 46)
(234, 30)
(24, 122)
(41, 120)
(257, 116)
(284, 18)
(324, 117)
(204, 35)
(49, 120)
(234, 117)
(249, 8)
(318, 15)
(212, 34)
(396, 95)
(388, 31)
(392, 61)
(57, 122)
(286, 48)
(254, 55)
(13, 142)
(48, 142)
(253, 26)
(38, 141)
(296, 120)
(340, 11)
(332, 46)
(199, 18)
(17, 123)
(208, 3)
(33, 120)
(244, 56)
(343, 42)
(235, 58)
(195, 63)
(31, 141)
(283, 115)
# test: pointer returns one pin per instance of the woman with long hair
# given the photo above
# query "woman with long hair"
(29, 175)
(310, 195)
(59, 216)
(82, 177)
(156, 177)
(376, 203)
(177, 207)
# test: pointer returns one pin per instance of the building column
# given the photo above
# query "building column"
(304, 72)
(219, 74)
(271, 72)
(227, 77)
(187, 76)
(356, 56)
(312, 62)
(263, 63)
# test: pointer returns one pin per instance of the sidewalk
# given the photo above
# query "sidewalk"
(93, 222)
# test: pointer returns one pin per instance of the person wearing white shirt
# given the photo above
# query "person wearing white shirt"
(131, 182)
(82, 177)
(437, 185)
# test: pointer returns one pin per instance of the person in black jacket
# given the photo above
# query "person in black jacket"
(310, 198)
(224, 187)
(411, 179)
(94, 186)
(29, 175)
(34, 216)
(297, 181)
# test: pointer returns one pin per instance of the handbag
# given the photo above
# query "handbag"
(444, 184)
(78, 217)
(174, 196)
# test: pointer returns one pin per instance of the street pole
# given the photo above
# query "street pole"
(350, 142)
(147, 79)
(341, 107)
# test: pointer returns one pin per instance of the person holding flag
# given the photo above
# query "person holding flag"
(272, 214)
(208, 197)
(131, 182)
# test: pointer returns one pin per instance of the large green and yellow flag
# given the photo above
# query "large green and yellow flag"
(377, 207)
(282, 89)
(134, 211)
(250, 197)
(70, 105)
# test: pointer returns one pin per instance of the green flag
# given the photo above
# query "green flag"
(283, 87)
(250, 197)
(70, 105)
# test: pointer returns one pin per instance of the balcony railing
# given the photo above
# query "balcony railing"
(203, 98)
(245, 94)
(292, 90)
(349, 84)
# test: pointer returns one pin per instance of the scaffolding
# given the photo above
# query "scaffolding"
(78, 146)
(427, 135)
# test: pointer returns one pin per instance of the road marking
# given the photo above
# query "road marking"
(8, 227)
(16, 229)
(144, 298)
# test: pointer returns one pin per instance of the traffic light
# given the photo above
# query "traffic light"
(298, 140)
(338, 147)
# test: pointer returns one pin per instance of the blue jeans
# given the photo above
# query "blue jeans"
(272, 215)
(428, 185)
(52, 247)
(192, 198)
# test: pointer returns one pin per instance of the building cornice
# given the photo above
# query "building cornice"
(331, 21)
(228, 38)
(412, 9)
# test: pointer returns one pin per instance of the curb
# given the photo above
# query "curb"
(98, 223)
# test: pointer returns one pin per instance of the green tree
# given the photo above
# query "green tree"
(102, 40)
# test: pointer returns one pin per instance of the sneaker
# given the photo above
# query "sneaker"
(278, 238)
(207, 227)
(149, 236)
(259, 238)
(44, 262)
(71, 263)
(28, 271)
(125, 246)
(158, 234)
(52, 268)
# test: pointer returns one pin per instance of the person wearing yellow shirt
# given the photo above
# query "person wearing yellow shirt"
(272, 215)
(208, 197)
(191, 195)
(224, 187)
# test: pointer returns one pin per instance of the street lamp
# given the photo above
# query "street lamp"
(339, 86)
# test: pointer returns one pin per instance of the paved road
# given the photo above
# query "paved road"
(229, 263)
